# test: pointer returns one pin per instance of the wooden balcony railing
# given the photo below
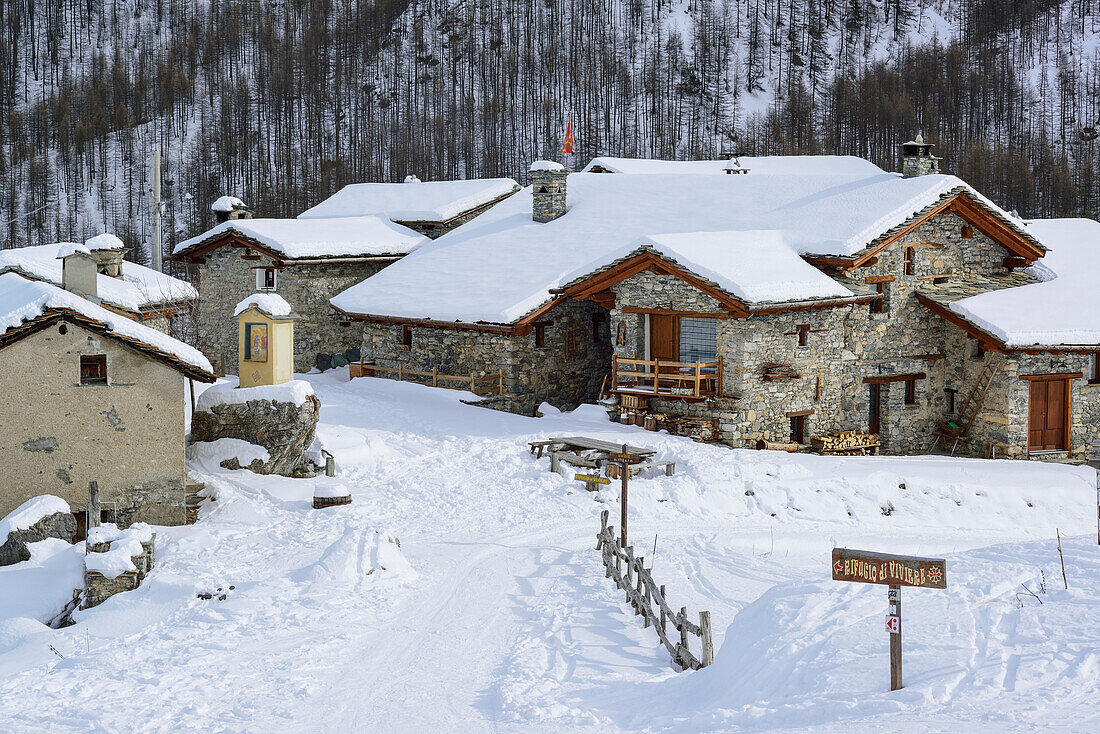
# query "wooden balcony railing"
(691, 380)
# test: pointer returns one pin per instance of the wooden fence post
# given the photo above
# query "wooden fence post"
(94, 513)
(704, 633)
(683, 635)
(435, 377)
(664, 625)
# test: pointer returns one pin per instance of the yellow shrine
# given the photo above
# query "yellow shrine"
(265, 340)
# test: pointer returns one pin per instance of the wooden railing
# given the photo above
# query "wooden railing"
(487, 384)
(644, 595)
(673, 379)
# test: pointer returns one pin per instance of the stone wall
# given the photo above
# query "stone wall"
(563, 376)
(226, 279)
(56, 435)
(844, 346)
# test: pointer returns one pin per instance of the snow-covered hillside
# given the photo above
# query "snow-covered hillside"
(493, 613)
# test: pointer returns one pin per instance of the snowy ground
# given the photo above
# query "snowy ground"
(503, 621)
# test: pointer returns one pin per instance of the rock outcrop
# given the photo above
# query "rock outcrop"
(54, 525)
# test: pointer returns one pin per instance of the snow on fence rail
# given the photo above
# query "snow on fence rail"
(644, 594)
(490, 383)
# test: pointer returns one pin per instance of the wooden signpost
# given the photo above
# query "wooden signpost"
(893, 571)
(591, 481)
(624, 460)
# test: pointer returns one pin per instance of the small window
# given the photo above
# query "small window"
(803, 334)
(909, 254)
(798, 428)
(967, 231)
(266, 279)
(1094, 368)
(597, 319)
(540, 335)
(978, 351)
(910, 392)
(950, 392)
(93, 369)
(406, 336)
(879, 305)
(940, 281)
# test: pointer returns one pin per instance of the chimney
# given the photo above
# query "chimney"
(78, 270)
(917, 158)
(107, 250)
(230, 207)
(547, 190)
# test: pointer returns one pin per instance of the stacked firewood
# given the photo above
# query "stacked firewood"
(700, 429)
(845, 443)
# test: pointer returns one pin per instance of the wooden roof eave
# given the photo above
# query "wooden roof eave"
(813, 305)
(989, 341)
(53, 315)
(959, 203)
(482, 326)
(235, 239)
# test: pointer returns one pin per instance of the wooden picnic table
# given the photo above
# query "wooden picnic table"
(576, 444)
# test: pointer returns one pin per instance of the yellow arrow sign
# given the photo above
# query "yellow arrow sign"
(592, 478)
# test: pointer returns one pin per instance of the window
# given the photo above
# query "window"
(909, 253)
(940, 281)
(93, 369)
(967, 231)
(1094, 368)
(910, 392)
(977, 351)
(951, 392)
(406, 336)
(798, 428)
(266, 279)
(880, 306)
(803, 331)
(540, 335)
(255, 342)
(597, 319)
(698, 339)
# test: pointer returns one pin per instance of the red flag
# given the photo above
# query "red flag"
(567, 146)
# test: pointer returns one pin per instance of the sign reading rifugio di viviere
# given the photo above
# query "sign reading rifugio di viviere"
(880, 568)
(866, 567)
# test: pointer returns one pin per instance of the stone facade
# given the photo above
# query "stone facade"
(566, 371)
(100, 588)
(59, 525)
(227, 277)
(56, 434)
(846, 345)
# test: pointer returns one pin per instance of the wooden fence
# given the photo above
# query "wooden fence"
(644, 595)
(491, 383)
(658, 377)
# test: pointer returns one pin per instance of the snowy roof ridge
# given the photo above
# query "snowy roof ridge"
(303, 239)
(24, 301)
(427, 201)
(271, 304)
(138, 288)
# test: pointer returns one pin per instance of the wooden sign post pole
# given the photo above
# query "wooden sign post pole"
(895, 639)
(626, 475)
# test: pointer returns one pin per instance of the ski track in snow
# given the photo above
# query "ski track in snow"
(507, 623)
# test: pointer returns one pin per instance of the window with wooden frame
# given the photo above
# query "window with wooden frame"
(406, 337)
(540, 335)
(977, 351)
(698, 339)
(798, 425)
(910, 254)
(950, 392)
(93, 369)
(597, 319)
(967, 231)
(266, 279)
(880, 304)
(803, 331)
(1094, 368)
(910, 392)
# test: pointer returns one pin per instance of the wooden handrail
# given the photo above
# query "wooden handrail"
(694, 374)
(471, 383)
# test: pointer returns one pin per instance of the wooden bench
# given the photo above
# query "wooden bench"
(585, 462)
(612, 470)
(537, 447)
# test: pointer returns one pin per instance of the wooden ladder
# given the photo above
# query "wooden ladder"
(973, 403)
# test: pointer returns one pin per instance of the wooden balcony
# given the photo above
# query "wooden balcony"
(667, 380)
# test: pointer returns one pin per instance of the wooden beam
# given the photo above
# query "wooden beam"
(686, 314)
(989, 342)
(799, 413)
(872, 279)
(1053, 376)
(882, 379)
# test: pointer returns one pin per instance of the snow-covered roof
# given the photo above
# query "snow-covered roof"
(270, 303)
(752, 265)
(23, 300)
(105, 241)
(416, 201)
(502, 265)
(226, 204)
(829, 165)
(546, 166)
(318, 238)
(1057, 311)
(139, 287)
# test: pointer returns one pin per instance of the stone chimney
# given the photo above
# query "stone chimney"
(917, 158)
(547, 190)
(107, 250)
(78, 270)
(230, 207)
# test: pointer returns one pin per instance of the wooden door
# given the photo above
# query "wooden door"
(1048, 412)
(664, 337)
(874, 409)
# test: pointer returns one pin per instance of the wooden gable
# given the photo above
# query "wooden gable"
(228, 238)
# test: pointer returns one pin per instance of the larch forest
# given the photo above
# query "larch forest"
(283, 102)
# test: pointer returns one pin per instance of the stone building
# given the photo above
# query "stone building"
(807, 296)
(155, 299)
(91, 395)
